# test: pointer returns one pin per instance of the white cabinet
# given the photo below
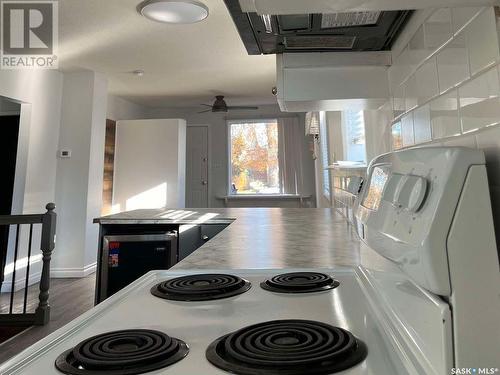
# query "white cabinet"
(332, 81)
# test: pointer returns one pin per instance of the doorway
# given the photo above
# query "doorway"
(197, 182)
(9, 136)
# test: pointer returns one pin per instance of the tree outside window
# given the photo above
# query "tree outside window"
(254, 157)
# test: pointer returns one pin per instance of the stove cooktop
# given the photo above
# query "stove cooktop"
(287, 347)
(125, 352)
(300, 282)
(341, 315)
(201, 287)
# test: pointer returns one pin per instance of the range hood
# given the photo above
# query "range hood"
(316, 32)
(332, 6)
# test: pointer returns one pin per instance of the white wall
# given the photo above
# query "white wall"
(218, 154)
(39, 93)
(122, 109)
(79, 178)
(150, 164)
(445, 85)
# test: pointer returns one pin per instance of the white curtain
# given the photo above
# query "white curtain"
(290, 154)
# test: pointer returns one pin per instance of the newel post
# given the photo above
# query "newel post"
(47, 246)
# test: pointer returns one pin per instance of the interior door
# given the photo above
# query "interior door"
(197, 167)
(9, 126)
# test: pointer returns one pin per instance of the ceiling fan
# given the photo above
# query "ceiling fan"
(220, 105)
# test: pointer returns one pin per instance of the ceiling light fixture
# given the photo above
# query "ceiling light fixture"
(173, 11)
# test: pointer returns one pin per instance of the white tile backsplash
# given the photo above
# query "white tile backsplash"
(462, 16)
(398, 100)
(400, 69)
(410, 93)
(453, 64)
(464, 110)
(396, 133)
(483, 49)
(480, 102)
(407, 132)
(450, 76)
(444, 115)
(426, 81)
(438, 29)
(418, 50)
(422, 124)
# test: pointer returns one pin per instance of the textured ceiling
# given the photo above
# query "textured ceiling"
(184, 64)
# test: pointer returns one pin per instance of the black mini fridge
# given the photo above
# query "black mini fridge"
(125, 258)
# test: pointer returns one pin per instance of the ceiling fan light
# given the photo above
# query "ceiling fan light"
(174, 11)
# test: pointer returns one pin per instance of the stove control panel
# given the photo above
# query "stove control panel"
(407, 207)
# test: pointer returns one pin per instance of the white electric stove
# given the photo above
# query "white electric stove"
(424, 300)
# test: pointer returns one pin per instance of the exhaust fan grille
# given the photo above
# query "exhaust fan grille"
(320, 42)
(351, 19)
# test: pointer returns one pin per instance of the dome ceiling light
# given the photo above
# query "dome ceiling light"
(173, 11)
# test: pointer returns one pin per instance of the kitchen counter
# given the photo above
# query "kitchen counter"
(260, 237)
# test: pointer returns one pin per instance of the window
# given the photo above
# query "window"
(323, 130)
(354, 135)
(254, 167)
(397, 136)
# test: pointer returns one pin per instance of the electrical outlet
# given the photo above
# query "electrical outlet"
(64, 153)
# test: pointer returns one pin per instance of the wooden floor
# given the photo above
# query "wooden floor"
(69, 298)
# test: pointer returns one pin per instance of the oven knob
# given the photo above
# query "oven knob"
(412, 193)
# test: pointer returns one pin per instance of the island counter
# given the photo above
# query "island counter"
(263, 238)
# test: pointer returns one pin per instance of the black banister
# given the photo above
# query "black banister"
(47, 244)
(20, 219)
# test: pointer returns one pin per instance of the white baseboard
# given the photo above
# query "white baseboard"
(20, 283)
(61, 273)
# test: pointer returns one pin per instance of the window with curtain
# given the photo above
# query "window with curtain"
(323, 130)
(255, 167)
(263, 156)
(354, 136)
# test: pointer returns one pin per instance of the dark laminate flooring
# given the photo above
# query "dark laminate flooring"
(69, 298)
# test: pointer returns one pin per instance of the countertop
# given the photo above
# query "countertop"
(170, 216)
(260, 237)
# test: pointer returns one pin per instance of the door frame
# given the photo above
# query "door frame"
(19, 185)
(19, 192)
(209, 161)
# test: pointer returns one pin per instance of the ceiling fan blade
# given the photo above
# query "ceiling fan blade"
(208, 110)
(207, 105)
(243, 108)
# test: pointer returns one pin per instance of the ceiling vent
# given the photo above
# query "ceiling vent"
(351, 19)
(327, 42)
